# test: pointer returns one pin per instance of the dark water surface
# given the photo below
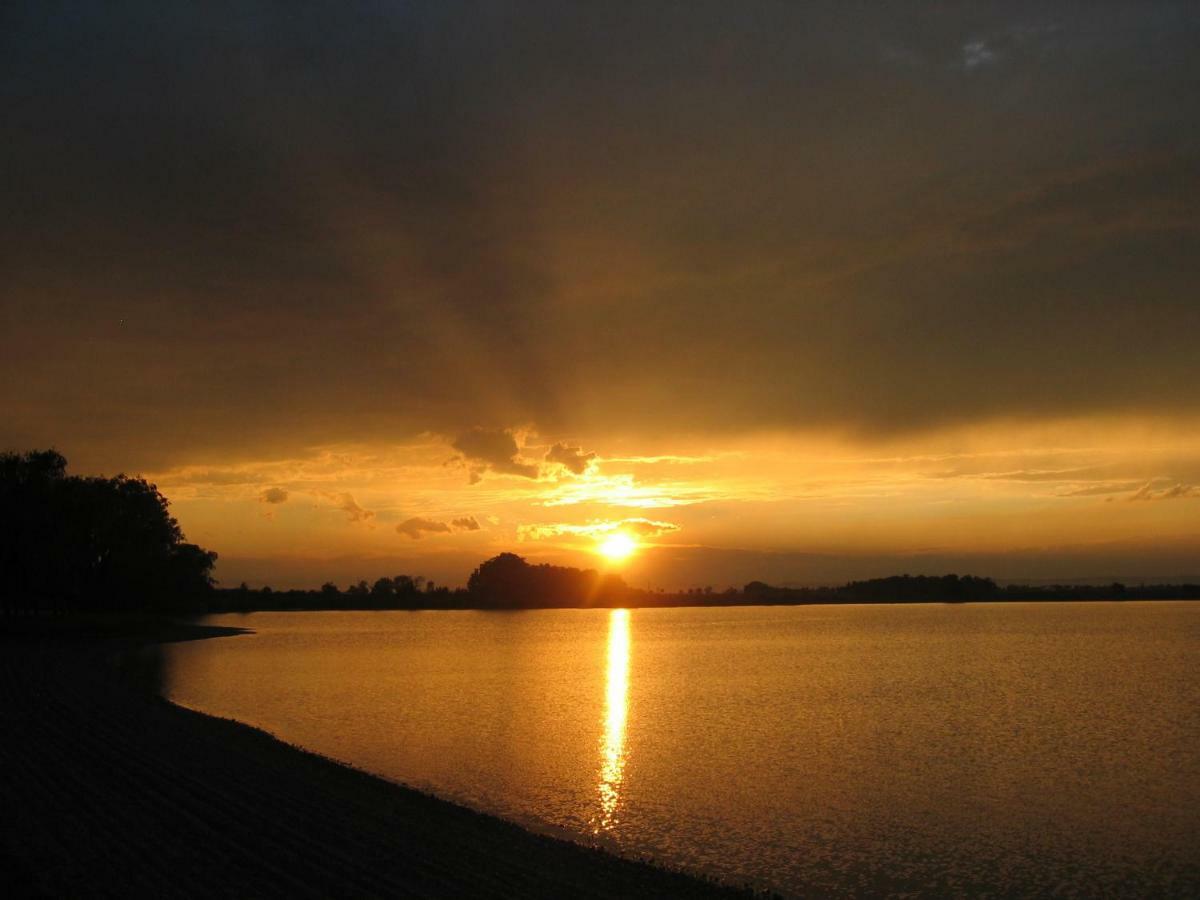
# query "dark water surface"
(978, 748)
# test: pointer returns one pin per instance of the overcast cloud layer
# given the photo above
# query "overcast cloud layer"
(381, 219)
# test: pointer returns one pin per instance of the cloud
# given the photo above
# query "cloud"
(216, 477)
(1123, 197)
(1175, 492)
(643, 528)
(347, 504)
(492, 449)
(976, 54)
(1099, 490)
(415, 527)
(273, 495)
(665, 459)
(647, 527)
(1030, 43)
(844, 295)
(626, 490)
(573, 459)
(1030, 475)
(894, 54)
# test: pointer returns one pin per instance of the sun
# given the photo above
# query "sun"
(617, 546)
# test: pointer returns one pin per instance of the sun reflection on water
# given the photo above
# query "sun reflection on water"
(616, 709)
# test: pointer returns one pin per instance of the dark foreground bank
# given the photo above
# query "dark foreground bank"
(109, 790)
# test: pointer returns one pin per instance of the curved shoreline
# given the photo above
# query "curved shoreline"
(110, 790)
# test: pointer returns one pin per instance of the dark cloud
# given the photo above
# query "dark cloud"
(494, 450)
(573, 459)
(274, 495)
(213, 477)
(1147, 478)
(347, 504)
(416, 527)
(642, 216)
(1121, 196)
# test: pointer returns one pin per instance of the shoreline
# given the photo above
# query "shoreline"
(111, 789)
(510, 610)
(1125, 601)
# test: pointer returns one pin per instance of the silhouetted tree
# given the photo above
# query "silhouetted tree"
(71, 542)
(757, 591)
(508, 582)
(383, 592)
(357, 595)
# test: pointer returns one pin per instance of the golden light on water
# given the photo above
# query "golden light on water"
(617, 546)
(616, 710)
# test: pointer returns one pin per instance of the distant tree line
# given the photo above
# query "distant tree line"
(894, 589)
(505, 581)
(398, 592)
(74, 543)
(509, 582)
(1114, 591)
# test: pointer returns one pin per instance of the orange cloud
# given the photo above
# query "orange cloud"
(637, 526)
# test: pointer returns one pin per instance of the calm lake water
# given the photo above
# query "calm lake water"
(843, 750)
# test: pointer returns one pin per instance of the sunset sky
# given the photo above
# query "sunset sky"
(797, 292)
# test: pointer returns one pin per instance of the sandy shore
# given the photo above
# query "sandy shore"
(109, 790)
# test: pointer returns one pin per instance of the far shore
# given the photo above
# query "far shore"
(110, 790)
(507, 581)
(716, 604)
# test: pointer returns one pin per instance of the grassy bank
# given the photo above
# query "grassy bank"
(109, 790)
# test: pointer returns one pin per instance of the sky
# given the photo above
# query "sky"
(795, 292)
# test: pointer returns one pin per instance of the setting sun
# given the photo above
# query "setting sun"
(617, 546)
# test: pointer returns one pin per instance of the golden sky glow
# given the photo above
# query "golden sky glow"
(1000, 498)
(802, 292)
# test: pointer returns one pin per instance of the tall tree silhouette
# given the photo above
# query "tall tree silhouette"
(71, 542)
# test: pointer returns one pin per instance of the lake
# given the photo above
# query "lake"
(1010, 748)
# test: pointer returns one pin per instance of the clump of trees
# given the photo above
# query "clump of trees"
(70, 542)
(507, 581)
